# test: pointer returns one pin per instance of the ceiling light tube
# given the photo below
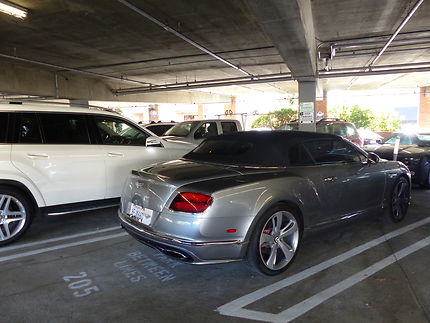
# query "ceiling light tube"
(13, 9)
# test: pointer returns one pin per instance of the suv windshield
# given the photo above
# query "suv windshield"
(182, 129)
(239, 153)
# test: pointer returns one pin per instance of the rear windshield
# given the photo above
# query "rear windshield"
(340, 129)
(159, 129)
(404, 139)
(182, 129)
(289, 127)
(240, 153)
(421, 139)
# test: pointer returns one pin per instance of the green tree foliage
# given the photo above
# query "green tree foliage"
(279, 117)
(385, 122)
(362, 118)
(366, 118)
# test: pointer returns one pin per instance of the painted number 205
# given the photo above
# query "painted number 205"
(81, 284)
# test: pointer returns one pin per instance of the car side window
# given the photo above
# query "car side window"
(206, 130)
(64, 128)
(29, 129)
(299, 156)
(333, 151)
(228, 126)
(118, 132)
(3, 126)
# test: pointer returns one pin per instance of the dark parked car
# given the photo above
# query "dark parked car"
(254, 195)
(158, 128)
(332, 126)
(414, 152)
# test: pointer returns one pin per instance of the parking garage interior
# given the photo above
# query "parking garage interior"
(83, 267)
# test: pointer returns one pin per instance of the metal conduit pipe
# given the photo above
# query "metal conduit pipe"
(370, 52)
(322, 74)
(380, 67)
(410, 14)
(74, 70)
(396, 42)
(172, 58)
(191, 63)
(364, 39)
(208, 82)
(201, 86)
(182, 36)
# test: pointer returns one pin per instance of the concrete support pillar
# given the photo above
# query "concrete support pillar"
(321, 107)
(424, 111)
(201, 111)
(230, 109)
(79, 103)
(307, 108)
(153, 112)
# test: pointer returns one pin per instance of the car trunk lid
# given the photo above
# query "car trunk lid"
(153, 186)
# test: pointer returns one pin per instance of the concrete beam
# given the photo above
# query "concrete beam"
(290, 26)
(23, 79)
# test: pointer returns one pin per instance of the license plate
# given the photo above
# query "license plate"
(141, 214)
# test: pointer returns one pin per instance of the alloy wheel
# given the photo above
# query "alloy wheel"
(12, 217)
(400, 200)
(279, 240)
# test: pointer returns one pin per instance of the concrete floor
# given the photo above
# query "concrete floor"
(91, 275)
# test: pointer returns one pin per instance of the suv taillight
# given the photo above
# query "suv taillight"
(191, 202)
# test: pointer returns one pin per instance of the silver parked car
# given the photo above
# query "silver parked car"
(254, 195)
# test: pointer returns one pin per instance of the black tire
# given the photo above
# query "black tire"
(16, 214)
(268, 252)
(426, 184)
(399, 199)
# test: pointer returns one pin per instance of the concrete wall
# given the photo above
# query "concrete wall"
(21, 79)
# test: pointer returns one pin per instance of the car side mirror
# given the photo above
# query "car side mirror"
(379, 141)
(153, 142)
(373, 158)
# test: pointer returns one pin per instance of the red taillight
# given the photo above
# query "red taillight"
(191, 202)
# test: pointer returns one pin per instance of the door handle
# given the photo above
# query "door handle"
(115, 154)
(37, 156)
(330, 179)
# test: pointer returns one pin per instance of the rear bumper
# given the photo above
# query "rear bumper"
(195, 252)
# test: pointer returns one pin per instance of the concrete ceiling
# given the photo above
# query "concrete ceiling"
(269, 43)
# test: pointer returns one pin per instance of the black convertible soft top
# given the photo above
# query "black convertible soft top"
(252, 148)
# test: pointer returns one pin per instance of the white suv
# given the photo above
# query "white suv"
(195, 131)
(58, 160)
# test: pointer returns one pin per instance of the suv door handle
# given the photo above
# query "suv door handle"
(330, 179)
(115, 154)
(37, 156)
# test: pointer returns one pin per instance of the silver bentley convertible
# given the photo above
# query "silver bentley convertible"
(255, 194)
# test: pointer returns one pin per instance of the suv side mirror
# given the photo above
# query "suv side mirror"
(153, 142)
(373, 158)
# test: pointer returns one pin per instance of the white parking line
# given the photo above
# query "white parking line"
(73, 236)
(308, 304)
(235, 307)
(61, 246)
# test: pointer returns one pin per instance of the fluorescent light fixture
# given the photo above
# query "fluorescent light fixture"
(13, 9)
